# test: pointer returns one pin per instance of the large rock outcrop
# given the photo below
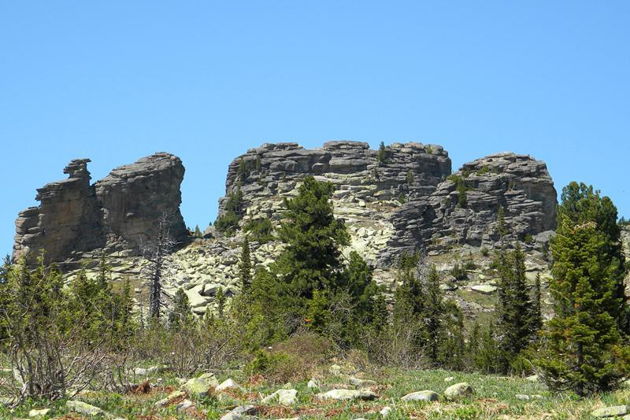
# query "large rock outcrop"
(118, 213)
(66, 220)
(503, 195)
(404, 197)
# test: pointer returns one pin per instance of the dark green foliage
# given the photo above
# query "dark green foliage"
(309, 285)
(228, 221)
(410, 178)
(181, 315)
(197, 233)
(259, 230)
(583, 349)
(382, 154)
(461, 188)
(459, 271)
(221, 300)
(435, 326)
(313, 237)
(483, 349)
(536, 311)
(517, 323)
(245, 266)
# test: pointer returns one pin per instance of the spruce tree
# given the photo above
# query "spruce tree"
(245, 266)
(583, 349)
(435, 316)
(181, 313)
(516, 318)
(313, 237)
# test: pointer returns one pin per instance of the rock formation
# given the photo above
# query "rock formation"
(503, 195)
(403, 198)
(66, 221)
(117, 213)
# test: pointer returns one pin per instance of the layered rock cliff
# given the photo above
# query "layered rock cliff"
(398, 199)
(404, 197)
(117, 213)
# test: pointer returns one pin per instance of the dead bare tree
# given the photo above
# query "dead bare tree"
(157, 251)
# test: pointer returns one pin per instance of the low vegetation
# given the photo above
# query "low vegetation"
(315, 321)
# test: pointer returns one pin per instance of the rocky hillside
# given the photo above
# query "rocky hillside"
(403, 198)
(398, 199)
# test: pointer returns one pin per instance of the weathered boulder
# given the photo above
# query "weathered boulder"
(613, 411)
(347, 394)
(200, 386)
(282, 396)
(84, 408)
(459, 390)
(421, 396)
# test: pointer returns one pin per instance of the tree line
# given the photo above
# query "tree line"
(314, 287)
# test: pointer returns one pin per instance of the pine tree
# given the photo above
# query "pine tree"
(517, 324)
(536, 312)
(382, 154)
(583, 349)
(181, 313)
(311, 259)
(245, 266)
(435, 313)
(220, 297)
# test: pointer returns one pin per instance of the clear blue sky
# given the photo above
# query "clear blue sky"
(117, 80)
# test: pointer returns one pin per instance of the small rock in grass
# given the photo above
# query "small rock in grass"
(335, 370)
(522, 397)
(426, 395)
(347, 394)
(312, 384)
(533, 378)
(460, 390)
(385, 411)
(84, 408)
(199, 387)
(240, 412)
(228, 384)
(361, 382)
(283, 396)
(615, 411)
(170, 397)
(449, 379)
(38, 413)
(184, 405)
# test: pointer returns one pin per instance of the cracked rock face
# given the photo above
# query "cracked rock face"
(466, 207)
(116, 213)
(405, 199)
(369, 188)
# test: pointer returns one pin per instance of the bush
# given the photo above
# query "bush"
(260, 230)
(292, 360)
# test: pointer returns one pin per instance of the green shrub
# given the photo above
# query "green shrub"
(260, 230)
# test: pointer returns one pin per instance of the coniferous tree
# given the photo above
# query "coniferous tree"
(181, 313)
(516, 318)
(313, 237)
(536, 312)
(435, 316)
(245, 266)
(582, 348)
